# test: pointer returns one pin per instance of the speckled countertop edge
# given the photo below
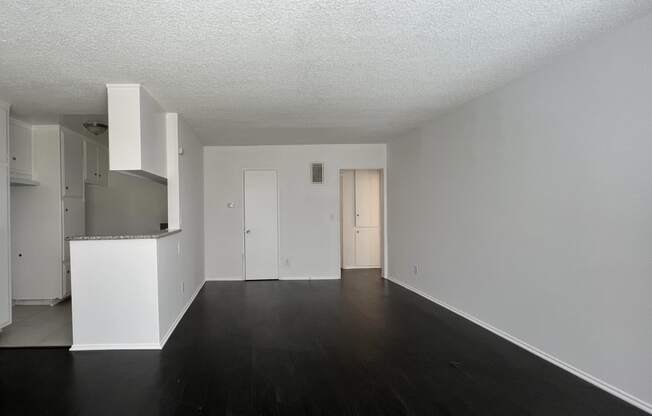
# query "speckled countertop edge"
(124, 236)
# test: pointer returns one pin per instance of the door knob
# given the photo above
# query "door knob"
(247, 231)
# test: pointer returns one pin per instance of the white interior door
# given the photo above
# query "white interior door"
(260, 224)
(367, 218)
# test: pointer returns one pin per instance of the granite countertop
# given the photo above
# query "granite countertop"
(153, 235)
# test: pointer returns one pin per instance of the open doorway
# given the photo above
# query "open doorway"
(361, 219)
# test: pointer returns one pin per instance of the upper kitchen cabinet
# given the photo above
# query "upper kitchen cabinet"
(91, 172)
(20, 149)
(72, 164)
(137, 134)
(97, 163)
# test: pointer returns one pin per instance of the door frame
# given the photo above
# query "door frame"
(383, 216)
(244, 223)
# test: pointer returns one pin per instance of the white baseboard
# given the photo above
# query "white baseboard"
(38, 302)
(360, 267)
(633, 400)
(98, 347)
(240, 279)
(225, 279)
(183, 312)
(333, 277)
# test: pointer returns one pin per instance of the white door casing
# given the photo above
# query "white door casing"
(347, 218)
(260, 224)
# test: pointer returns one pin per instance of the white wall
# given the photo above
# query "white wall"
(530, 209)
(309, 230)
(128, 205)
(181, 256)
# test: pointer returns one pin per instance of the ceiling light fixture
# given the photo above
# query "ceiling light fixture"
(95, 127)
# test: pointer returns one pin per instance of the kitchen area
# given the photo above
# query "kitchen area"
(61, 187)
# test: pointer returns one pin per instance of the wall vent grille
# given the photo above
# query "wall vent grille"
(317, 172)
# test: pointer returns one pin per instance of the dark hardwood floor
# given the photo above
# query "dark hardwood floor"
(359, 346)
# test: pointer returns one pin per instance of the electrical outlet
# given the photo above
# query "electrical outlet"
(415, 269)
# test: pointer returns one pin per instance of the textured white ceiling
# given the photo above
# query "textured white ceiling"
(286, 71)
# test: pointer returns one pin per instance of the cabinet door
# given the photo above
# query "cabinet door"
(20, 149)
(5, 284)
(73, 221)
(65, 277)
(91, 173)
(103, 163)
(4, 134)
(72, 164)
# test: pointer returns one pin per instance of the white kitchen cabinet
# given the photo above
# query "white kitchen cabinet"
(73, 221)
(91, 174)
(96, 163)
(20, 149)
(42, 216)
(4, 132)
(72, 164)
(5, 229)
(137, 136)
(5, 262)
(103, 165)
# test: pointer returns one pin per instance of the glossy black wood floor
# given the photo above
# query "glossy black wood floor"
(359, 346)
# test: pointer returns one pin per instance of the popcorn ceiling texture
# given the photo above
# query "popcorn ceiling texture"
(267, 72)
